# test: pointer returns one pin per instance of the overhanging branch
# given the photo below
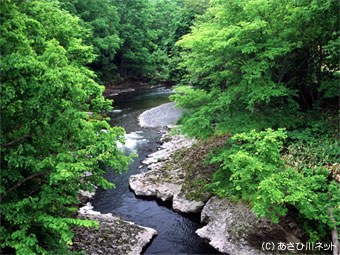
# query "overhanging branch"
(15, 141)
(17, 185)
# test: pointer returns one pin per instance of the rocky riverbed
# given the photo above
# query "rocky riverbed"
(176, 173)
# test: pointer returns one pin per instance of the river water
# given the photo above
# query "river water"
(176, 233)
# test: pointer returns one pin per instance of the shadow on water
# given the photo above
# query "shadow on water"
(176, 232)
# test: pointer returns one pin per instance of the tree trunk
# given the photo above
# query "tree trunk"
(335, 239)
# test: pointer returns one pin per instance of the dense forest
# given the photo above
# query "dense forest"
(264, 72)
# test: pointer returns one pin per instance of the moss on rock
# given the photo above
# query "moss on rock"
(198, 172)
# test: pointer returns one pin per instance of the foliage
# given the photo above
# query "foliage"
(134, 39)
(251, 168)
(210, 113)
(260, 51)
(101, 18)
(48, 140)
(149, 30)
(134, 56)
(247, 159)
(258, 65)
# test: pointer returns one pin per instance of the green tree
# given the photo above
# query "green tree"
(258, 51)
(48, 140)
(101, 17)
(251, 168)
(134, 56)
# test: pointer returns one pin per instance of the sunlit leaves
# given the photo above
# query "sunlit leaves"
(247, 48)
(48, 140)
(251, 168)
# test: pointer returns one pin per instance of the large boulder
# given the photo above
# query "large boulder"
(234, 229)
(160, 116)
(181, 204)
(162, 184)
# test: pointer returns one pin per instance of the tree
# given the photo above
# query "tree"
(258, 51)
(134, 56)
(101, 17)
(48, 140)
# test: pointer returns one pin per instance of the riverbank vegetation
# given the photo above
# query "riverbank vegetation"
(267, 73)
(263, 72)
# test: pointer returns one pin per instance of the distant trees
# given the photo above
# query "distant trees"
(133, 39)
(134, 57)
(101, 18)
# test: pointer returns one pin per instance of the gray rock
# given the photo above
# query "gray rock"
(160, 116)
(163, 181)
(232, 228)
(181, 204)
(85, 196)
(156, 182)
(114, 235)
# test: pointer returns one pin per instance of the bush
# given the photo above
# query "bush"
(252, 169)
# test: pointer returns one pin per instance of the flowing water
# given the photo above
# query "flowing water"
(176, 233)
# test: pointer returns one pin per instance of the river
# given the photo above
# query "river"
(176, 232)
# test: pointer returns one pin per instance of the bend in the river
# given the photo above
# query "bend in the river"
(176, 233)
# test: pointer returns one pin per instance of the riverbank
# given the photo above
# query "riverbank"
(165, 179)
(176, 173)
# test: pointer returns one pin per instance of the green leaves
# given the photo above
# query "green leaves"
(250, 49)
(251, 168)
(101, 19)
(47, 139)
(248, 159)
(261, 65)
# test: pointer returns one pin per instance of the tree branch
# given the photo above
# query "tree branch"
(14, 128)
(23, 181)
(283, 70)
(16, 140)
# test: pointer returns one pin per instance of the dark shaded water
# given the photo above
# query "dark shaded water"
(176, 233)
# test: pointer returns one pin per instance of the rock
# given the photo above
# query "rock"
(85, 196)
(166, 185)
(165, 180)
(114, 236)
(160, 116)
(156, 182)
(181, 204)
(169, 146)
(232, 228)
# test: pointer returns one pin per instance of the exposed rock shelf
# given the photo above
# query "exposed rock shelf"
(160, 116)
(114, 235)
(232, 228)
(165, 181)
